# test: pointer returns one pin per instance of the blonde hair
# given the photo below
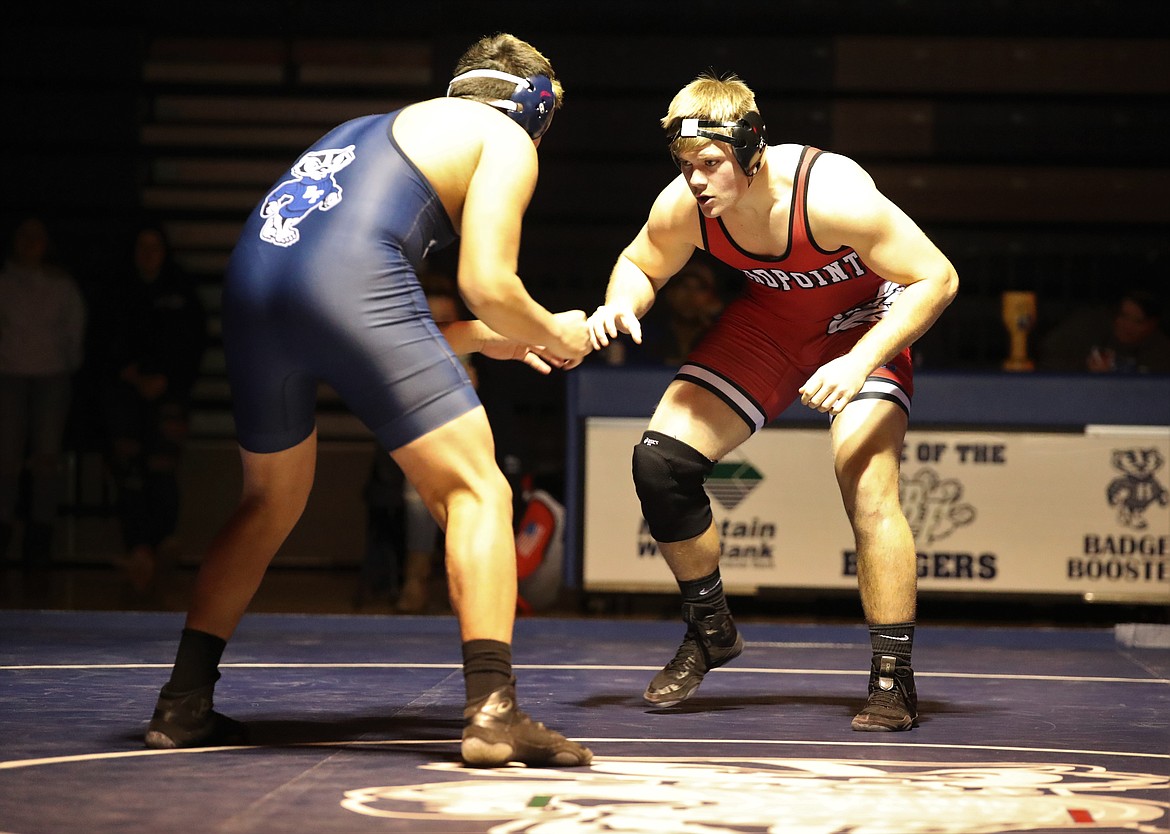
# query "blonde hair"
(711, 98)
(506, 53)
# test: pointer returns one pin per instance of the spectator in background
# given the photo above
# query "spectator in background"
(42, 330)
(1126, 338)
(684, 311)
(687, 307)
(154, 337)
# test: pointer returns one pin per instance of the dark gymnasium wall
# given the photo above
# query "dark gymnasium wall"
(1027, 138)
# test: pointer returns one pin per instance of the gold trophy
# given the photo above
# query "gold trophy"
(1019, 317)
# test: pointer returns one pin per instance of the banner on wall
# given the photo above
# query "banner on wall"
(1003, 512)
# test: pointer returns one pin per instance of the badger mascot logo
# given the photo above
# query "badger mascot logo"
(1136, 490)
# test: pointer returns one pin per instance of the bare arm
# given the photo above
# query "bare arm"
(661, 248)
(846, 209)
(476, 337)
(497, 196)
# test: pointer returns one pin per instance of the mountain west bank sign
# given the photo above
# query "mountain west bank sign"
(1006, 512)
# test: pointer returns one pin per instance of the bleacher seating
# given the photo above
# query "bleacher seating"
(1027, 139)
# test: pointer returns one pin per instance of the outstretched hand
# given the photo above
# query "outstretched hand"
(610, 319)
(573, 339)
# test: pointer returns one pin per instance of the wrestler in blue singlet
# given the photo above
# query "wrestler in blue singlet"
(323, 287)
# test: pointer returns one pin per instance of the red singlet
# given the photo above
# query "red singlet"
(800, 310)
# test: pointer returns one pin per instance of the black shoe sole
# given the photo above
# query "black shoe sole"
(223, 732)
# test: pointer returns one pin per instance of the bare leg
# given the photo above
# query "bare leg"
(454, 470)
(706, 427)
(704, 422)
(867, 447)
(693, 558)
(867, 442)
(275, 490)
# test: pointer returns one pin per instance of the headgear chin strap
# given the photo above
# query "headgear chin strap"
(531, 104)
(747, 137)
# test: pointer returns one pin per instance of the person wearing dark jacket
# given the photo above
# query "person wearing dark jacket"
(155, 335)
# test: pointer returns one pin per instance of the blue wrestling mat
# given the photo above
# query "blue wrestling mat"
(355, 721)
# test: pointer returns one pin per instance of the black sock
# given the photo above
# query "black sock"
(707, 591)
(896, 639)
(196, 661)
(487, 665)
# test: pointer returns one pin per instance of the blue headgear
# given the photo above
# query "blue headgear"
(531, 104)
(748, 137)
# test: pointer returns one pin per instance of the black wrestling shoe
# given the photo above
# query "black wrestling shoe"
(711, 641)
(496, 731)
(893, 699)
(186, 719)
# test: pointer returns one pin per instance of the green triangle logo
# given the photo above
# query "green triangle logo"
(731, 482)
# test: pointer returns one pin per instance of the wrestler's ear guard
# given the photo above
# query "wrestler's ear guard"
(531, 104)
(747, 137)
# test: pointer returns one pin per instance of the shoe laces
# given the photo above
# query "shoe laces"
(890, 699)
(687, 652)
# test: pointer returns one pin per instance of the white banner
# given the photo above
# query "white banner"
(1004, 512)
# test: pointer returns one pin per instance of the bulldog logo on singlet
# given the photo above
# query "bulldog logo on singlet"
(313, 187)
(869, 312)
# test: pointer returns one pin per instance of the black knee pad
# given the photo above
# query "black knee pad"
(669, 476)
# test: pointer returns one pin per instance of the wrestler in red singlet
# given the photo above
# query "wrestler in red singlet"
(800, 310)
